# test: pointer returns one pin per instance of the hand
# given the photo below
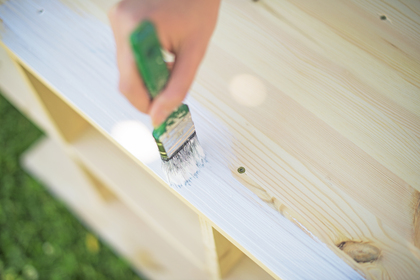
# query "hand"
(184, 28)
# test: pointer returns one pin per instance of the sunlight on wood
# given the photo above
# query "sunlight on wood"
(137, 139)
(248, 90)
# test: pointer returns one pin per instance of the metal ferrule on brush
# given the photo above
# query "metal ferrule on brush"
(174, 133)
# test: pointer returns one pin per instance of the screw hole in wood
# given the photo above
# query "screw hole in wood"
(241, 170)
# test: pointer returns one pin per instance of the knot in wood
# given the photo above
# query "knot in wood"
(360, 252)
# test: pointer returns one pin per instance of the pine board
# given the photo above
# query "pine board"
(16, 90)
(166, 214)
(115, 223)
(326, 123)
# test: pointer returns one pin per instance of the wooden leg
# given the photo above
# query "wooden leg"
(222, 255)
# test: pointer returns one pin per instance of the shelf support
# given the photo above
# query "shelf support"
(221, 254)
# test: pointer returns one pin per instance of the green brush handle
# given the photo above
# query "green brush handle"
(149, 59)
(152, 68)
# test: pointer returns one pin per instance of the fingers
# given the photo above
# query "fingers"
(188, 58)
(177, 34)
(130, 83)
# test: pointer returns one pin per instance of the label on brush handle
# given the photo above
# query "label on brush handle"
(173, 118)
(174, 132)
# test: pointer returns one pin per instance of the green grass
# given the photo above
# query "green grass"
(39, 237)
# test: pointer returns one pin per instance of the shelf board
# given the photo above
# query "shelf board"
(112, 220)
(246, 269)
(154, 203)
(17, 91)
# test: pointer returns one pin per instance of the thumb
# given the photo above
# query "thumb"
(183, 72)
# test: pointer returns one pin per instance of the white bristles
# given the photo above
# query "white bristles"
(185, 164)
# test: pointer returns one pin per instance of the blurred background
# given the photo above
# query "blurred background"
(39, 237)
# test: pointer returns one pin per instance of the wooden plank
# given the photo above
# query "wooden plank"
(14, 87)
(103, 190)
(148, 198)
(11, 83)
(228, 255)
(113, 221)
(416, 222)
(305, 151)
(246, 269)
(299, 113)
(67, 122)
(336, 157)
(221, 254)
(329, 75)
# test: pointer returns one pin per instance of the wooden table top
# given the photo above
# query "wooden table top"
(318, 100)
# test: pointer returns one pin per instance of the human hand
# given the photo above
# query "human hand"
(184, 28)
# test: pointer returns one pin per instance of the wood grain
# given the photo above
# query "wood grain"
(67, 122)
(416, 221)
(360, 252)
(221, 254)
(319, 101)
(95, 97)
(316, 73)
(327, 134)
(19, 92)
(246, 269)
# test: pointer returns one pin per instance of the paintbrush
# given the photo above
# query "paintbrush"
(180, 151)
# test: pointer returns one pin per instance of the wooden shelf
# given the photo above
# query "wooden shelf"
(112, 220)
(17, 91)
(318, 102)
(117, 198)
(246, 269)
(149, 199)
